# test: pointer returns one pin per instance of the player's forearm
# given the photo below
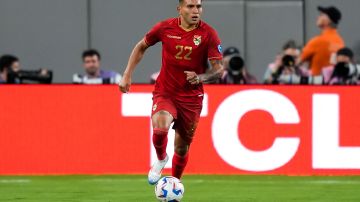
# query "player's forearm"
(135, 57)
(210, 77)
(214, 74)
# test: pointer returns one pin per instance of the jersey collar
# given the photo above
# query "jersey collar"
(187, 30)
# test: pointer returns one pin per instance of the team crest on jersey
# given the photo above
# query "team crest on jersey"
(197, 40)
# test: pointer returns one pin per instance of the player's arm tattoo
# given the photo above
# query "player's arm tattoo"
(214, 74)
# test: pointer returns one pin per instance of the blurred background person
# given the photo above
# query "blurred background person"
(288, 72)
(3, 74)
(320, 51)
(235, 70)
(229, 52)
(356, 49)
(13, 74)
(344, 72)
(8, 62)
(93, 72)
(290, 48)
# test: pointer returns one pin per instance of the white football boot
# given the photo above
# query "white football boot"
(155, 171)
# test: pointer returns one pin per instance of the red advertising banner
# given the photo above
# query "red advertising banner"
(65, 129)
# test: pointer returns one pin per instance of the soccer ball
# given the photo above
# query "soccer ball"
(169, 189)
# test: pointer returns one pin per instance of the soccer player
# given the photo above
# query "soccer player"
(188, 44)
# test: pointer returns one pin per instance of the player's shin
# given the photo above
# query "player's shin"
(179, 164)
(160, 140)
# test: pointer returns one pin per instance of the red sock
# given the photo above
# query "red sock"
(179, 164)
(160, 140)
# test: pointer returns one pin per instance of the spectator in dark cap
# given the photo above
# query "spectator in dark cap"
(320, 51)
(235, 70)
(231, 51)
(332, 12)
(345, 71)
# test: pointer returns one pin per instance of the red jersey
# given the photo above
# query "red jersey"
(183, 51)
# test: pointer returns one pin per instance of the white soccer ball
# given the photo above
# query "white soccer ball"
(169, 189)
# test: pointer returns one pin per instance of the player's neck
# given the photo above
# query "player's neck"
(185, 26)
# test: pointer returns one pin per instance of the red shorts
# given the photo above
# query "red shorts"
(186, 113)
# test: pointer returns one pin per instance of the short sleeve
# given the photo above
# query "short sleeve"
(215, 48)
(153, 36)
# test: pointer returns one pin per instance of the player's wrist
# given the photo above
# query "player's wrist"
(127, 74)
(200, 79)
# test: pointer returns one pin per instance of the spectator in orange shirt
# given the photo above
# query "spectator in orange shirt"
(321, 50)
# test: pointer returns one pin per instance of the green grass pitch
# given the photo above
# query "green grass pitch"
(197, 188)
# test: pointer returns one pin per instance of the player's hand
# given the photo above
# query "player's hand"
(125, 84)
(192, 78)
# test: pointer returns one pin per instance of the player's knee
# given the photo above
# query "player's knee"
(162, 120)
(181, 150)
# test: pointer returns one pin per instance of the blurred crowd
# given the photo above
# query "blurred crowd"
(324, 60)
(11, 72)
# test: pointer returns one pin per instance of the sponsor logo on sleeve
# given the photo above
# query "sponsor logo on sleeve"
(220, 48)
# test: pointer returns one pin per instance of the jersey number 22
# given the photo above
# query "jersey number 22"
(180, 55)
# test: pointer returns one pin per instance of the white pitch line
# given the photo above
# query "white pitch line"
(17, 181)
(117, 180)
(335, 182)
(340, 182)
(199, 181)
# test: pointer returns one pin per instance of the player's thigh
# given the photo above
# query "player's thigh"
(187, 122)
(163, 112)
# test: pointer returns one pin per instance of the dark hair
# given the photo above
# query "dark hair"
(90, 53)
(231, 51)
(290, 44)
(346, 52)
(182, 1)
(6, 61)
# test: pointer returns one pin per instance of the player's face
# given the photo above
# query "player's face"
(191, 11)
(92, 65)
(323, 20)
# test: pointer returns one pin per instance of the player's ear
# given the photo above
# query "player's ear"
(178, 8)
